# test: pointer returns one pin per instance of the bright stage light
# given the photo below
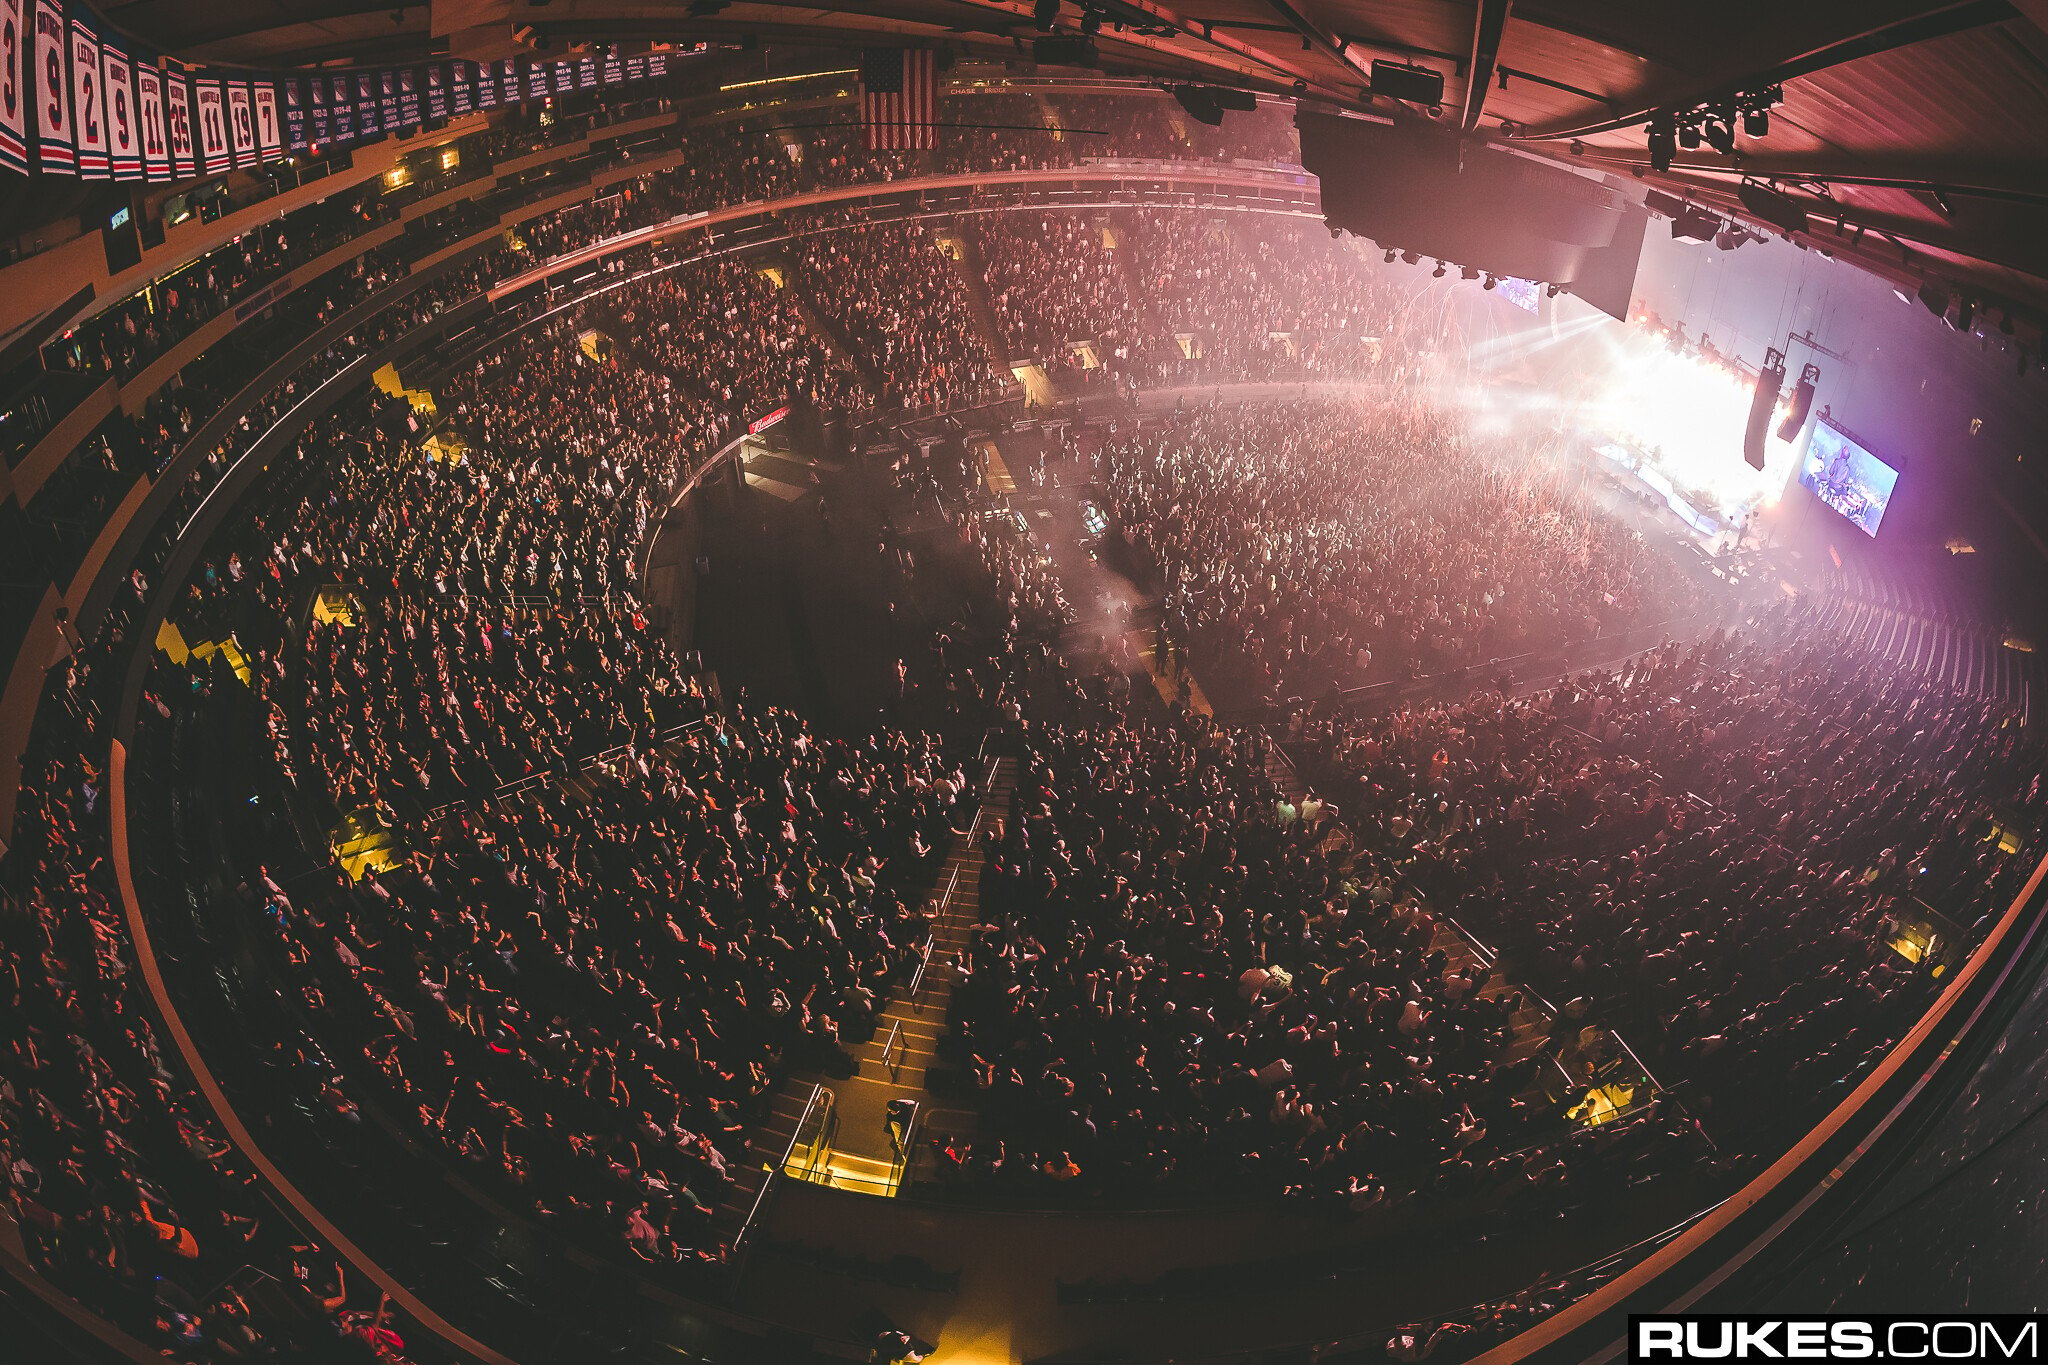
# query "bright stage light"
(1684, 415)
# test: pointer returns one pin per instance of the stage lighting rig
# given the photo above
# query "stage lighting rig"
(1437, 273)
(1491, 283)
(1391, 254)
(1411, 258)
(1663, 145)
(1719, 133)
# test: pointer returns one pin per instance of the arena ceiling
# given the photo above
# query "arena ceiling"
(1914, 133)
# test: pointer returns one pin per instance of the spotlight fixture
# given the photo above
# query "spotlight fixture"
(1662, 148)
(1438, 273)
(1045, 14)
(1091, 22)
(1411, 258)
(1550, 291)
(1966, 314)
(1719, 136)
(1689, 136)
(1756, 122)
(1469, 272)
(1491, 283)
(1391, 254)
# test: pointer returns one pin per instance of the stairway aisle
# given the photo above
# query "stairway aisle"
(973, 272)
(1532, 1023)
(862, 1155)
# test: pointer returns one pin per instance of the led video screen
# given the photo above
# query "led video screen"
(1847, 477)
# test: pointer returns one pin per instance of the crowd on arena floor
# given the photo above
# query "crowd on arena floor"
(1331, 542)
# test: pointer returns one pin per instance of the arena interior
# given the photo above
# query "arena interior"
(1240, 682)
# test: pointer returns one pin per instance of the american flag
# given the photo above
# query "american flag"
(899, 99)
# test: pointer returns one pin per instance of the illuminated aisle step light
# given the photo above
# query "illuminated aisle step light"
(362, 843)
(172, 642)
(386, 378)
(336, 605)
(998, 473)
(1038, 389)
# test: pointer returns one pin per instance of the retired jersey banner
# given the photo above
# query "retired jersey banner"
(437, 91)
(210, 119)
(14, 45)
(88, 99)
(180, 124)
(241, 124)
(149, 114)
(269, 137)
(55, 150)
(124, 134)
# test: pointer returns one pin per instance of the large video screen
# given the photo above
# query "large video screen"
(1847, 477)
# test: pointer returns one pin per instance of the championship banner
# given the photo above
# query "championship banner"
(538, 82)
(368, 124)
(565, 77)
(387, 100)
(124, 134)
(657, 65)
(293, 91)
(511, 86)
(269, 138)
(179, 124)
(341, 107)
(241, 124)
(586, 73)
(636, 67)
(613, 70)
(461, 88)
(437, 92)
(55, 150)
(408, 97)
(210, 120)
(149, 102)
(88, 100)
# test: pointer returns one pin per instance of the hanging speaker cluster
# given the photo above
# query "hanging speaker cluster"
(1769, 380)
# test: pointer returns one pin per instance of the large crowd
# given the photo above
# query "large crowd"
(630, 906)
(1331, 542)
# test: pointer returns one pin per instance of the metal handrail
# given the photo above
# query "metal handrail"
(895, 1037)
(906, 1145)
(924, 962)
(776, 1171)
